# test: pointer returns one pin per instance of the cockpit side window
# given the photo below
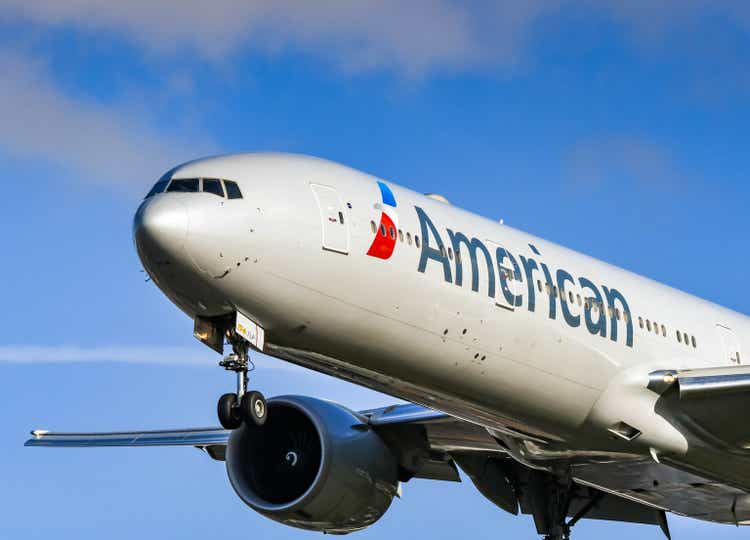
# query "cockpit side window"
(212, 185)
(233, 190)
(158, 188)
(183, 185)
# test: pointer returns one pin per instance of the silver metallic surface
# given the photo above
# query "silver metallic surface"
(356, 478)
(181, 437)
(547, 391)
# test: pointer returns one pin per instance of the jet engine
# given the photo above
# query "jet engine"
(313, 465)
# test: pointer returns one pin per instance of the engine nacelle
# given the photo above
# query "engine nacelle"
(313, 465)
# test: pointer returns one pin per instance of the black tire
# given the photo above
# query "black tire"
(254, 408)
(228, 412)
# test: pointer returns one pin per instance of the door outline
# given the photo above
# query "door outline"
(515, 284)
(730, 343)
(333, 219)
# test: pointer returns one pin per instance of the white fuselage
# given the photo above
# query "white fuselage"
(537, 362)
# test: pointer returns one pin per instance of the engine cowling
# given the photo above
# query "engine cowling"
(313, 465)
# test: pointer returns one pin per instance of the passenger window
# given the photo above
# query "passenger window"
(617, 314)
(408, 238)
(664, 330)
(373, 227)
(393, 233)
(450, 253)
(233, 190)
(648, 325)
(186, 185)
(416, 240)
(695, 345)
(382, 230)
(679, 337)
(158, 188)
(341, 218)
(578, 296)
(571, 297)
(211, 185)
(401, 235)
(640, 322)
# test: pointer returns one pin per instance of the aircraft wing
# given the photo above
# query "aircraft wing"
(428, 444)
(407, 413)
(176, 437)
(213, 440)
(705, 403)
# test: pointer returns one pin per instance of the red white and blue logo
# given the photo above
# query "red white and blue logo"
(386, 234)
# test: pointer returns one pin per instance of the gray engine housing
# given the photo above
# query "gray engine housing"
(315, 465)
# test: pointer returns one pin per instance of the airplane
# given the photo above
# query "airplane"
(564, 388)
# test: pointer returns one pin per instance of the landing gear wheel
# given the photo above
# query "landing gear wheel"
(254, 408)
(229, 416)
(245, 405)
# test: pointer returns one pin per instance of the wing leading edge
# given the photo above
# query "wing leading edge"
(407, 413)
(200, 437)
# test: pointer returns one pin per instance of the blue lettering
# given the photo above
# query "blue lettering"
(562, 278)
(613, 295)
(600, 326)
(503, 271)
(552, 295)
(473, 245)
(529, 265)
(430, 253)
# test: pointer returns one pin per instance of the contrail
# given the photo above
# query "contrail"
(133, 354)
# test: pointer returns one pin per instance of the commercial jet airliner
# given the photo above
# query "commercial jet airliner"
(563, 387)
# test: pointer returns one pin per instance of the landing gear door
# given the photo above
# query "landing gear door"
(251, 331)
(730, 343)
(335, 226)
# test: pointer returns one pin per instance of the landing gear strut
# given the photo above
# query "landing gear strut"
(244, 406)
(552, 499)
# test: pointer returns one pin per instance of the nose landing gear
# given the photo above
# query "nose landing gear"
(244, 406)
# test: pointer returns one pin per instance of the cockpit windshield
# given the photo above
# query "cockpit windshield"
(233, 190)
(184, 185)
(212, 185)
(222, 188)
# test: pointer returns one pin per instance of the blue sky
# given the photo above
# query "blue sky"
(618, 129)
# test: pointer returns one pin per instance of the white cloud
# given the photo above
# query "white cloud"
(660, 18)
(106, 143)
(594, 162)
(95, 142)
(411, 38)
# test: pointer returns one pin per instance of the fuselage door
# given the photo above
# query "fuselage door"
(730, 343)
(509, 287)
(335, 226)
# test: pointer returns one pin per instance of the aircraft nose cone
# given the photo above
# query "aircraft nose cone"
(160, 230)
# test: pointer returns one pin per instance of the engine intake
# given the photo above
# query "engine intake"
(314, 465)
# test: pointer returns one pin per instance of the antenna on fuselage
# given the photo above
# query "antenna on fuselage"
(438, 197)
